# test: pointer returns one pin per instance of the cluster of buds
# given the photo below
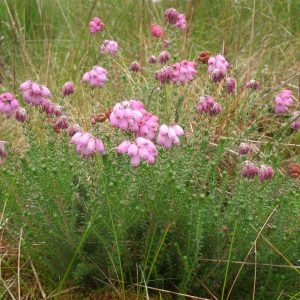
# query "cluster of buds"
(34, 93)
(131, 115)
(21, 115)
(68, 88)
(134, 66)
(152, 60)
(8, 104)
(230, 85)
(282, 101)
(295, 125)
(168, 135)
(141, 149)
(164, 56)
(86, 144)
(204, 57)
(250, 170)
(61, 122)
(245, 149)
(96, 77)
(51, 108)
(109, 47)
(253, 84)
(96, 25)
(156, 30)
(172, 16)
(217, 67)
(207, 105)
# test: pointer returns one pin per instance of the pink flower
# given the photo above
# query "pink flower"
(265, 172)
(135, 66)
(164, 57)
(164, 75)
(109, 47)
(168, 135)
(217, 67)
(183, 72)
(230, 85)
(34, 93)
(253, 84)
(51, 108)
(8, 104)
(282, 101)
(86, 144)
(249, 170)
(21, 115)
(207, 105)
(156, 30)
(141, 149)
(132, 116)
(181, 21)
(245, 149)
(97, 77)
(3, 153)
(96, 25)
(74, 129)
(171, 16)
(152, 60)
(295, 125)
(62, 122)
(68, 88)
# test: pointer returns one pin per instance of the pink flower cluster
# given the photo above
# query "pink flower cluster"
(217, 67)
(96, 25)
(51, 108)
(141, 149)
(168, 135)
(253, 84)
(250, 170)
(34, 93)
(245, 149)
(164, 75)
(131, 115)
(8, 104)
(184, 71)
(156, 30)
(175, 18)
(68, 88)
(230, 85)
(207, 105)
(96, 77)
(74, 129)
(164, 56)
(109, 47)
(295, 125)
(86, 144)
(62, 122)
(3, 153)
(282, 101)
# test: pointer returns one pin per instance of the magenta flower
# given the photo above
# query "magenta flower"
(230, 85)
(68, 88)
(253, 84)
(183, 72)
(8, 104)
(86, 144)
(21, 115)
(152, 60)
(181, 21)
(74, 129)
(168, 135)
(141, 149)
(135, 66)
(96, 25)
(245, 149)
(164, 75)
(109, 47)
(207, 105)
(295, 125)
(34, 93)
(173, 17)
(156, 30)
(265, 172)
(217, 67)
(97, 77)
(3, 153)
(164, 57)
(282, 101)
(132, 116)
(249, 170)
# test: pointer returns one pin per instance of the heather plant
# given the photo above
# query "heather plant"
(147, 177)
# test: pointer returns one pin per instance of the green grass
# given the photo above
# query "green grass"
(186, 223)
